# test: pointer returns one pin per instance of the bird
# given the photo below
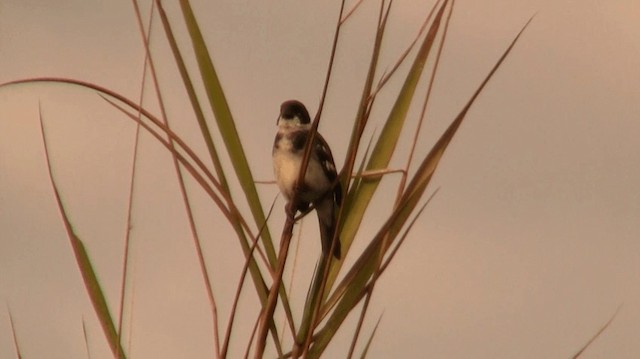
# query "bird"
(321, 187)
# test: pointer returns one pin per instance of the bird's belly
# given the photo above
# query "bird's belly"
(287, 168)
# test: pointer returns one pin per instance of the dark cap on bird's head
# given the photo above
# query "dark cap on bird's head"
(294, 108)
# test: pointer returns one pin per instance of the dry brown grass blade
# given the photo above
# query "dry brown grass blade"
(597, 335)
(325, 258)
(245, 268)
(106, 93)
(16, 346)
(209, 191)
(85, 336)
(127, 235)
(404, 236)
(434, 71)
(183, 192)
(362, 117)
(216, 196)
(193, 98)
(373, 334)
(382, 266)
(389, 74)
(350, 12)
(316, 292)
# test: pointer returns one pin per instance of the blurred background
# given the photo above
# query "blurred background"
(529, 247)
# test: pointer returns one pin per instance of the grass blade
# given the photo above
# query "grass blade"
(85, 336)
(235, 150)
(193, 98)
(432, 77)
(180, 177)
(373, 334)
(89, 277)
(385, 146)
(597, 335)
(231, 213)
(14, 335)
(226, 125)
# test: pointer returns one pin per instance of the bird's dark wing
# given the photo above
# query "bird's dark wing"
(323, 153)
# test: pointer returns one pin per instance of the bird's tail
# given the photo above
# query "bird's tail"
(327, 220)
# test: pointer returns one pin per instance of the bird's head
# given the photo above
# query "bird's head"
(293, 113)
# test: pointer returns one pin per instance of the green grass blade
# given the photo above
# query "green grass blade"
(91, 283)
(226, 125)
(193, 98)
(385, 146)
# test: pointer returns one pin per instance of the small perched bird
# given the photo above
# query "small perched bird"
(321, 186)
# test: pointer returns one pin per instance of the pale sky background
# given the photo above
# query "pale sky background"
(529, 247)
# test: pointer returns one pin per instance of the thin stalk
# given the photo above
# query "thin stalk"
(268, 310)
(236, 299)
(102, 91)
(227, 212)
(183, 190)
(206, 134)
(86, 339)
(350, 12)
(266, 315)
(597, 335)
(404, 236)
(294, 266)
(434, 71)
(253, 334)
(387, 76)
(373, 333)
(319, 279)
(15, 337)
(326, 257)
(127, 236)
